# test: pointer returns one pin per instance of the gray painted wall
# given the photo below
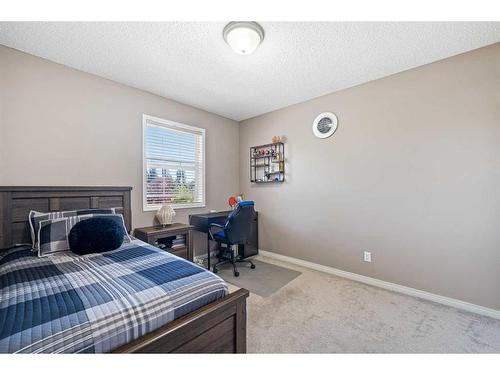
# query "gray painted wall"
(412, 175)
(61, 126)
(2, 122)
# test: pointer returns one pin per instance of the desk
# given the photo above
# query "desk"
(201, 223)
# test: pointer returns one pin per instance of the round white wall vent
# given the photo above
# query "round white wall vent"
(325, 125)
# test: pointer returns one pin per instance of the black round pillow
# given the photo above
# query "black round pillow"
(96, 235)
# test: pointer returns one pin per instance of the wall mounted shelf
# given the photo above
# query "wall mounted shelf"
(272, 167)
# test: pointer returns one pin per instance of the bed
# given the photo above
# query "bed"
(136, 298)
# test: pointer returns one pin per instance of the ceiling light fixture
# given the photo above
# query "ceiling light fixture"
(243, 37)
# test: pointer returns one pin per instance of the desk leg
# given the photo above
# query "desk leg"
(208, 251)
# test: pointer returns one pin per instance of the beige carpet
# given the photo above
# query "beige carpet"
(321, 313)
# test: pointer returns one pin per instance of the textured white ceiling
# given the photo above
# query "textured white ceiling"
(189, 62)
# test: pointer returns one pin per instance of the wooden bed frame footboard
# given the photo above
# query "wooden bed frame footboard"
(219, 327)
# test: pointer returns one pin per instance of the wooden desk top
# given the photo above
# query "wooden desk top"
(212, 214)
(159, 229)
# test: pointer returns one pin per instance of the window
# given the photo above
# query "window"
(173, 164)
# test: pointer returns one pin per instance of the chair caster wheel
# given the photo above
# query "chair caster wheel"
(252, 266)
(236, 274)
(215, 270)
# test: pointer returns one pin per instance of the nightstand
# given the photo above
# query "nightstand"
(174, 238)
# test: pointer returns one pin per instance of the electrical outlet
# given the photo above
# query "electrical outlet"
(367, 256)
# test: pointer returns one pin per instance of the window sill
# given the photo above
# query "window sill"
(174, 206)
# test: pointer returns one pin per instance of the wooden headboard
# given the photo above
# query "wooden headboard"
(17, 201)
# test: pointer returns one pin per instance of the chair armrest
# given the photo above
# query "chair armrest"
(210, 229)
(216, 225)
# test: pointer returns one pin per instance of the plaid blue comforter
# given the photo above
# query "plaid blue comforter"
(95, 303)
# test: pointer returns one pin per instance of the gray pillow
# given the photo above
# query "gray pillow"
(53, 234)
(35, 217)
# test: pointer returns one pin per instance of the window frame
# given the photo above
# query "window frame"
(177, 126)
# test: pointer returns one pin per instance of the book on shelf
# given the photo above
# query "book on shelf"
(174, 247)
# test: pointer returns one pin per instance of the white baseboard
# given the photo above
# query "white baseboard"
(486, 311)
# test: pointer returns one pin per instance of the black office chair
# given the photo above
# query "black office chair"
(236, 231)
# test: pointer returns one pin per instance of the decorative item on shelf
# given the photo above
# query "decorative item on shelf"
(165, 215)
(276, 139)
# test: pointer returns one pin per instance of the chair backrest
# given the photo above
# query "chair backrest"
(238, 222)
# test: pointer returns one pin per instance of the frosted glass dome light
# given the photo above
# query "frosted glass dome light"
(243, 37)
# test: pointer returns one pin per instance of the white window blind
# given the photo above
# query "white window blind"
(174, 165)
